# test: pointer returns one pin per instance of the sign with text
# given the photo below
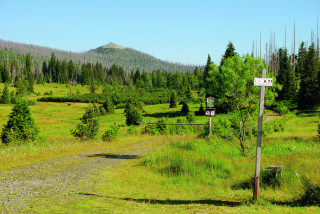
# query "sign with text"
(210, 101)
(263, 81)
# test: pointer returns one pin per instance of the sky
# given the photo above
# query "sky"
(182, 31)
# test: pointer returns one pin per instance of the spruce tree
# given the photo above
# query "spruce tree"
(20, 126)
(133, 116)
(6, 95)
(309, 93)
(206, 72)
(173, 99)
(285, 77)
(108, 105)
(230, 52)
(89, 126)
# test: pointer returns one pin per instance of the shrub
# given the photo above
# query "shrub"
(6, 99)
(89, 126)
(185, 109)
(133, 116)
(173, 99)
(132, 130)
(191, 117)
(21, 125)
(108, 105)
(201, 110)
(102, 111)
(311, 195)
(111, 133)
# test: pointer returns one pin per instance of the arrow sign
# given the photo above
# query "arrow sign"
(263, 81)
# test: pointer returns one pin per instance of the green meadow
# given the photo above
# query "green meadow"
(181, 173)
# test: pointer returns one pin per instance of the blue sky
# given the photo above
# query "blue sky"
(175, 30)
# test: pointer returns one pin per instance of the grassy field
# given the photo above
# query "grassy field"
(186, 175)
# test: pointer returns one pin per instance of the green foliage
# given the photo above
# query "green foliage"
(112, 133)
(6, 99)
(311, 196)
(133, 115)
(191, 117)
(89, 126)
(116, 98)
(233, 88)
(285, 77)
(309, 93)
(108, 105)
(102, 111)
(173, 99)
(132, 130)
(185, 108)
(201, 110)
(20, 126)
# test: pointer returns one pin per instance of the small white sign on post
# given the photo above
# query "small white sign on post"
(263, 81)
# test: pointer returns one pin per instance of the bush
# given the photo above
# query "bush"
(21, 125)
(311, 197)
(108, 105)
(132, 130)
(191, 117)
(111, 133)
(89, 126)
(185, 109)
(173, 100)
(133, 116)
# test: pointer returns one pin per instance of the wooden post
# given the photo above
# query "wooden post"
(210, 126)
(145, 127)
(259, 138)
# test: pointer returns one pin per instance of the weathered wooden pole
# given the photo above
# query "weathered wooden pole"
(210, 126)
(259, 138)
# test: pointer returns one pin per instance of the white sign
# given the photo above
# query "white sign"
(213, 113)
(263, 81)
(207, 113)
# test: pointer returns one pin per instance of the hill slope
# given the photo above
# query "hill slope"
(108, 55)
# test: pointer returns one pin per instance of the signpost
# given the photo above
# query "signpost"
(262, 82)
(210, 112)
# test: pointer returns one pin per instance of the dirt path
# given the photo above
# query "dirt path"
(51, 181)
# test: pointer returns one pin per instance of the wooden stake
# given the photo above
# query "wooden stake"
(259, 138)
(210, 126)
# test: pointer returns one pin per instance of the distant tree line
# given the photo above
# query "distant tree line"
(299, 82)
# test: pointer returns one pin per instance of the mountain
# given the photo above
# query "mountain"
(107, 55)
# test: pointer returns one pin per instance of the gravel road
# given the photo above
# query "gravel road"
(51, 181)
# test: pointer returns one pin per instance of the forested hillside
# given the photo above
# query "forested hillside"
(127, 58)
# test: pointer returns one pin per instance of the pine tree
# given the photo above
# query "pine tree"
(309, 97)
(230, 52)
(28, 74)
(6, 95)
(20, 126)
(108, 105)
(133, 116)
(285, 77)
(89, 126)
(206, 72)
(173, 99)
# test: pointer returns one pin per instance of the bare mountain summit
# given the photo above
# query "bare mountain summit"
(113, 45)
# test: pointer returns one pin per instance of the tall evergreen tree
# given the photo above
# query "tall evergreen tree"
(173, 99)
(21, 125)
(230, 52)
(285, 77)
(206, 72)
(28, 74)
(6, 95)
(309, 93)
